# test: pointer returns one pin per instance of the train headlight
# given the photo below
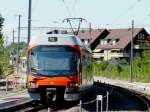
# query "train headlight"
(72, 84)
(32, 85)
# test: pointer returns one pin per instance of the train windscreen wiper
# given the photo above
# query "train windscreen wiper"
(35, 71)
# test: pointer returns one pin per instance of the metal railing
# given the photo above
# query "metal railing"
(9, 85)
(6, 85)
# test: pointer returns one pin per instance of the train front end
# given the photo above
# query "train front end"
(53, 69)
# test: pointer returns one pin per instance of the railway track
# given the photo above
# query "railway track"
(120, 99)
(22, 107)
(140, 96)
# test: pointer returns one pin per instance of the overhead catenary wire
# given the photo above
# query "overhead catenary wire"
(67, 28)
(74, 7)
(71, 13)
(35, 6)
(126, 11)
(123, 25)
(67, 8)
(145, 18)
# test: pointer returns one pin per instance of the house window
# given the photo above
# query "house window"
(141, 36)
(86, 42)
(82, 40)
(114, 42)
(105, 42)
(101, 42)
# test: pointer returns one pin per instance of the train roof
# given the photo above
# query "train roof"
(56, 39)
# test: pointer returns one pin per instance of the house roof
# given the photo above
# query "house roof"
(123, 37)
(89, 34)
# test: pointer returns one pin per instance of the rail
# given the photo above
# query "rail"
(143, 97)
(139, 95)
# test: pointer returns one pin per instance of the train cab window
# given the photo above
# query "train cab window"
(53, 60)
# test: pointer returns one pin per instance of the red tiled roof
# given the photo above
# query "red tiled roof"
(123, 36)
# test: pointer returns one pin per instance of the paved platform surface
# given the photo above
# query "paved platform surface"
(137, 86)
(11, 99)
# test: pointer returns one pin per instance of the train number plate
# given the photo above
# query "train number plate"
(52, 39)
(50, 89)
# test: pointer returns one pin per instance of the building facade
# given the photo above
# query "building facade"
(117, 44)
(114, 43)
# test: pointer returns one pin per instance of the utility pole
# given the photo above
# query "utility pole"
(18, 50)
(131, 58)
(13, 36)
(90, 31)
(29, 20)
(12, 50)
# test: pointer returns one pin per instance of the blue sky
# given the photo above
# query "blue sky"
(101, 13)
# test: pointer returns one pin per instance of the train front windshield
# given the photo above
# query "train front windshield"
(52, 60)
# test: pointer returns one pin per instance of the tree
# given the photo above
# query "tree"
(1, 22)
(1, 46)
(5, 67)
(13, 48)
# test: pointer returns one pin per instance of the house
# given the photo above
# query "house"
(117, 44)
(91, 37)
(114, 43)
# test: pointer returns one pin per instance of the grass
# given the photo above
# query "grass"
(116, 71)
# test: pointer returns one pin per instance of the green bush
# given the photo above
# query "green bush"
(118, 71)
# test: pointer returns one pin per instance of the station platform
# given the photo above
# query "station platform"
(11, 99)
(136, 86)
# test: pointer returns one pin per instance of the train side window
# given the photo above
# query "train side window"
(33, 63)
(79, 65)
(32, 53)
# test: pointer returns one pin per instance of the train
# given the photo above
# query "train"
(59, 67)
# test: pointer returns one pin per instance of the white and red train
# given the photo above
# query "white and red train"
(59, 66)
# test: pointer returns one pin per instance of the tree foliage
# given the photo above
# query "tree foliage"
(13, 48)
(1, 46)
(121, 71)
(1, 22)
(5, 67)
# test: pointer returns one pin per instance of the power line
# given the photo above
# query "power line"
(67, 28)
(35, 5)
(128, 25)
(67, 8)
(74, 6)
(127, 10)
(143, 25)
(137, 25)
(145, 18)
(51, 28)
